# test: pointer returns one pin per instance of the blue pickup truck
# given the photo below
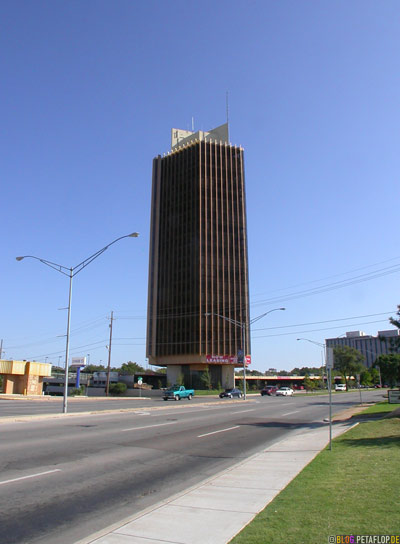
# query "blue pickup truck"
(178, 392)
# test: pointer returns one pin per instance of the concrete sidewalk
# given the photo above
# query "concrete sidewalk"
(214, 511)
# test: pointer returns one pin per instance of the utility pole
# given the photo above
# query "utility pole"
(109, 354)
(1, 348)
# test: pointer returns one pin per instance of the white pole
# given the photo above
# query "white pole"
(65, 403)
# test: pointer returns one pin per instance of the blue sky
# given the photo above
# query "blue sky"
(89, 93)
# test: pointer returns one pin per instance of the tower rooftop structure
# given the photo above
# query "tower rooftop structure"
(181, 137)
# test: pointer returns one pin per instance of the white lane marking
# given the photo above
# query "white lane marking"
(242, 411)
(142, 413)
(221, 431)
(148, 426)
(31, 476)
(290, 413)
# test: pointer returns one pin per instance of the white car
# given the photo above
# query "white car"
(340, 387)
(284, 392)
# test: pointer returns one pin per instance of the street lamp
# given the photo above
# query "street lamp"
(243, 326)
(328, 367)
(71, 273)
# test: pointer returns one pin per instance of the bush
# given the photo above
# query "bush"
(117, 388)
(77, 391)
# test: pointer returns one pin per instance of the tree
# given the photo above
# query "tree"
(89, 369)
(129, 369)
(206, 379)
(367, 377)
(395, 342)
(396, 322)
(389, 366)
(374, 376)
(306, 370)
(253, 373)
(348, 362)
(308, 383)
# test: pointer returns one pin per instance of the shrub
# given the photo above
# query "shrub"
(117, 388)
(78, 391)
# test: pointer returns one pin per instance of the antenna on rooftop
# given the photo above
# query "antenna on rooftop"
(192, 124)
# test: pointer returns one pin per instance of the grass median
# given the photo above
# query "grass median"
(353, 489)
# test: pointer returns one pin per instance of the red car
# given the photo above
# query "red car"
(269, 390)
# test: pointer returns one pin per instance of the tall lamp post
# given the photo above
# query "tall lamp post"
(243, 326)
(328, 365)
(71, 273)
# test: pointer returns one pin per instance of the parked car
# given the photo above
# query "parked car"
(231, 393)
(284, 392)
(269, 390)
(340, 387)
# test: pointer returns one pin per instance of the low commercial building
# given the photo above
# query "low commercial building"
(23, 377)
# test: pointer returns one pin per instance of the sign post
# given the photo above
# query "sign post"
(359, 386)
(394, 396)
(140, 381)
(78, 362)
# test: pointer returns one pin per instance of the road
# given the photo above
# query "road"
(54, 405)
(62, 479)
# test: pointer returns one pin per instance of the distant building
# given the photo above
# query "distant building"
(198, 258)
(100, 378)
(370, 346)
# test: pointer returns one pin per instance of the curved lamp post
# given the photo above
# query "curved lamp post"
(71, 273)
(329, 385)
(243, 326)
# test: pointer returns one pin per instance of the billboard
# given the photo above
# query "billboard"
(78, 361)
(226, 359)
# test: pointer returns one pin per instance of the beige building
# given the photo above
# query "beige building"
(23, 377)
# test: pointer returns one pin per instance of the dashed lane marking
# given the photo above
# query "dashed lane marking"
(30, 476)
(220, 431)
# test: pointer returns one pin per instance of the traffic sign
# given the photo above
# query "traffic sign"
(329, 358)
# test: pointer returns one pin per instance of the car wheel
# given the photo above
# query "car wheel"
(177, 397)
(189, 397)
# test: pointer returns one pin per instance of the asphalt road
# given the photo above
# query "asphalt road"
(64, 478)
(54, 405)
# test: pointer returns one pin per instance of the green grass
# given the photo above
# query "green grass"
(353, 489)
(380, 408)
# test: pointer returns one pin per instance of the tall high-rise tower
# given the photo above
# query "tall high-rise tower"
(198, 271)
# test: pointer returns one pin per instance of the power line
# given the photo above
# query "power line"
(320, 322)
(317, 330)
(335, 275)
(330, 287)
